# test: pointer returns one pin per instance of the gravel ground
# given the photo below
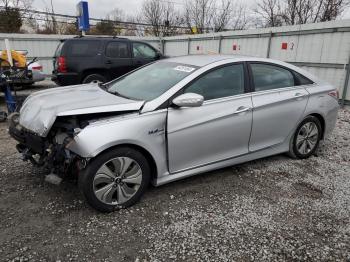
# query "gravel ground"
(270, 209)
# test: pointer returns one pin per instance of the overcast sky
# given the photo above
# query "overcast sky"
(100, 8)
(97, 8)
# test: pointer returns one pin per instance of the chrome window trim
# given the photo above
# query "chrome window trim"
(157, 102)
(277, 90)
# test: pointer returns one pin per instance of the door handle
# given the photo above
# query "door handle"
(242, 109)
(108, 62)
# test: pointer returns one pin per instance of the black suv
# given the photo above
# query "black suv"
(87, 59)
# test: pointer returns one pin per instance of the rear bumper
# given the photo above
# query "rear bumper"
(38, 76)
(66, 79)
(331, 120)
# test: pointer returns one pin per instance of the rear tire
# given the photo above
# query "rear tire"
(306, 138)
(115, 179)
(98, 78)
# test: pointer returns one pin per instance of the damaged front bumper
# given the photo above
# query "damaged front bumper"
(29, 143)
(43, 151)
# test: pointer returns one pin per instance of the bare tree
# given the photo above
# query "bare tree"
(210, 15)
(332, 9)
(269, 12)
(11, 15)
(199, 15)
(292, 12)
(224, 16)
(161, 15)
(23, 4)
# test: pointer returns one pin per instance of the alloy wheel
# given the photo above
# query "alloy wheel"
(117, 180)
(307, 138)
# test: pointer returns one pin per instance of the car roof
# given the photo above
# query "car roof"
(83, 38)
(203, 60)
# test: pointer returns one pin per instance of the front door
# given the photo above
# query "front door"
(143, 54)
(278, 105)
(217, 130)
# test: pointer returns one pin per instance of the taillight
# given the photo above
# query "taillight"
(334, 94)
(39, 68)
(61, 65)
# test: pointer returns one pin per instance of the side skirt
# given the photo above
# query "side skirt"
(282, 148)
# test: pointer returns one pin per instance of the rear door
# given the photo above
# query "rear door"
(117, 58)
(278, 104)
(143, 54)
(217, 130)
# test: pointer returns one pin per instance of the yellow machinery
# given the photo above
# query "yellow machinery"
(18, 57)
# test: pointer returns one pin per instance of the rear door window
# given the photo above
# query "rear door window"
(117, 50)
(267, 76)
(84, 48)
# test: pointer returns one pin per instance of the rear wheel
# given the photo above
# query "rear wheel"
(94, 78)
(116, 179)
(306, 138)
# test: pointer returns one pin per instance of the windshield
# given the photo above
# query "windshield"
(151, 81)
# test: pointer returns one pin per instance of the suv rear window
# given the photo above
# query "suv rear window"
(84, 48)
(117, 50)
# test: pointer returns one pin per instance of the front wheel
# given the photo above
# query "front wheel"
(115, 179)
(306, 138)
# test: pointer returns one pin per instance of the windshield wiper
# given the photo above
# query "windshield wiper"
(127, 97)
(102, 85)
(118, 94)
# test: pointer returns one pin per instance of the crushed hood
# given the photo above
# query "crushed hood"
(40, 109)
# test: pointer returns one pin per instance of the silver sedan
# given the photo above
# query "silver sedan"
(172, 119)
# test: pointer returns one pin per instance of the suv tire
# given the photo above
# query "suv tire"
(94, 78)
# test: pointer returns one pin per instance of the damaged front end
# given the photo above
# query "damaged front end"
(51, 152)
(49, 121)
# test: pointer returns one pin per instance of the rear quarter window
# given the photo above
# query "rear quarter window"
(85, 48)
(59, 49)
(302, 80)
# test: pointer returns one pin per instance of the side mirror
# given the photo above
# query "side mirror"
(188, 100)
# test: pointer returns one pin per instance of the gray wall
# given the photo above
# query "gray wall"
(322, 48)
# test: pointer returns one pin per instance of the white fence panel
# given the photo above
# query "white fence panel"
(177, 48)
(245, 46)
(333, 76)
(336, 48)
(198, 47)
(284, 48)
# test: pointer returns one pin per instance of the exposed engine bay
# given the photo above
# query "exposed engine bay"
(52, 152)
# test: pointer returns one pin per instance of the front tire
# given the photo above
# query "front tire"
(306, 138)
(115, 179)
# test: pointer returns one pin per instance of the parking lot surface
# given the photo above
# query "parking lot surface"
(275, 208)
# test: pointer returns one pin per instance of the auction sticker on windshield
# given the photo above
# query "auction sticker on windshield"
(186, 69)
